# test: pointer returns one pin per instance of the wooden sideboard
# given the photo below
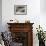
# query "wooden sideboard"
(22, 33)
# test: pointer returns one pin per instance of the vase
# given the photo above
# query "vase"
(41, 43)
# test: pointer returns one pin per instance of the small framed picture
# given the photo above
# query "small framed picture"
(20, 9)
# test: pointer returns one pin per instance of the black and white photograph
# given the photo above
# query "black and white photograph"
(20, 9)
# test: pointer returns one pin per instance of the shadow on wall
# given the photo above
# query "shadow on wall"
(43, 6)
(0, 15)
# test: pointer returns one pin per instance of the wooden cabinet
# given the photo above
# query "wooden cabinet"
(22, 33)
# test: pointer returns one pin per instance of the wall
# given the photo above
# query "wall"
(33, 10)
(34, 14)
(43, 6)
(0, 15)
(43, 14)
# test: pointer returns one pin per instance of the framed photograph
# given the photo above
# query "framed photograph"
(20, 9)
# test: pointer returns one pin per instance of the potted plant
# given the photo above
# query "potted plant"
(41, 36)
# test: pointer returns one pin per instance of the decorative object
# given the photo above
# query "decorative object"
(13, 21)
(20, 9)
(27, 21)
(41, 36)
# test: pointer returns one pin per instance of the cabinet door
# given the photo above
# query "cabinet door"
(24, 38)
(20, 38)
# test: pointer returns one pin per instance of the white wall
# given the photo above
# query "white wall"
(43, 14)
(33, 14)
(0, 15)
(43, 6)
